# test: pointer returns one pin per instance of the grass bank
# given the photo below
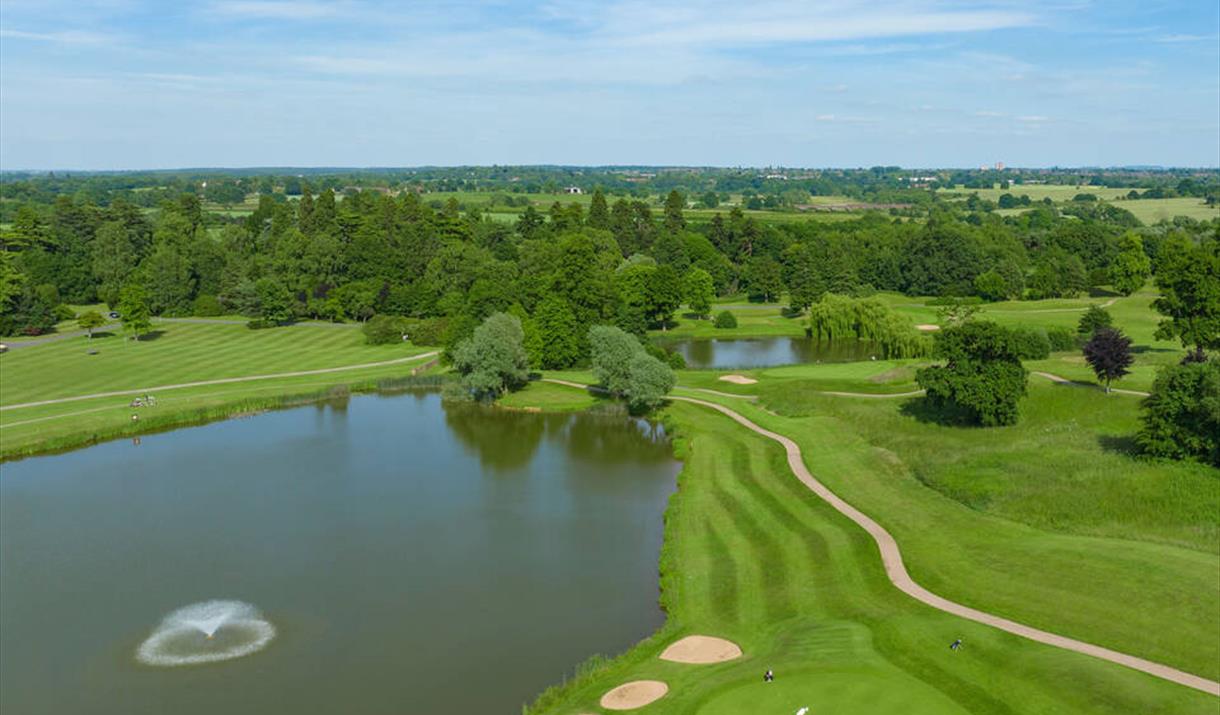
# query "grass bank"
(751, 555)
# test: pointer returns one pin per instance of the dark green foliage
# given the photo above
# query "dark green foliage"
(982, 379)
(699, 290)
(206, 306)
(32, 313)
(1095, 317)
(1181, 420)
(991, 286)
(275, 302)
(1031, 343)
(1108, 352)
(134, 311)
(493, 358)
(384, 329)
(1061, 339)
(839, 317)
(726, 320)
(1188, 277)
(429, 332)
(1131, 267)
(559, 334)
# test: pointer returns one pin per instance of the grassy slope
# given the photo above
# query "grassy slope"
(185, 352)
(753, 556)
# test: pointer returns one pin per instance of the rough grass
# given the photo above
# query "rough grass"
(752, 555)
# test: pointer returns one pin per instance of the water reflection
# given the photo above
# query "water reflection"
(765, 352)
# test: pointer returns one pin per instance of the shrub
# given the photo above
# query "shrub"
(1032, 343)
(206, 306)
(625, 367)
(725, 320)
(261, 324)
(63, 312)
(1061, 339)
(384, 329)
(428, 332)
(1181, 419)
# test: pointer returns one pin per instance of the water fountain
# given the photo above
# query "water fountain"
(206, 632)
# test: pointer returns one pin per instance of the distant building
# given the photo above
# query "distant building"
(999, 166)
(573, 190)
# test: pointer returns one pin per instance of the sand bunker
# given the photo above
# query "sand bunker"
(927, 326)
(738, 379)
(635, 694)
(701, 649)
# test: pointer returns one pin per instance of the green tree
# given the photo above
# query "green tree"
(558, 333)
(114, 259)
(384, 329)
(1181, 418)
(675, 204)
(1131, 267)
(493, 359)
(764, 279)
(650, 380)
(991, 286)
(623, 366)
(1108, 352)
(699, 289)
(1094, 318)
(612, 350)
(982, 379)
(709, 200)
(599, 212)
(134, 312)
(90, 321)
(169, 281)
(725, 320)
(274, 301)
(1188, 278)
(664, 295)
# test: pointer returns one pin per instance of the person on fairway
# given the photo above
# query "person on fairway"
(768, 676)
(955, 644)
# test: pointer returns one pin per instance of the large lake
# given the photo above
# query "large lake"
(765, 352)
(413, 557)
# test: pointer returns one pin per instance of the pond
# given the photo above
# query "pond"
(388, 554)
(723, 354)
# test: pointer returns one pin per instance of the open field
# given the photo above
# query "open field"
(1148, 211)
(752, 556)
(1037, 192)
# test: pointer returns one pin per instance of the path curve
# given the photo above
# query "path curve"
(896, 571)
(219, 381)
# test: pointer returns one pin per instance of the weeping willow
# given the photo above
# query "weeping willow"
(839, 317)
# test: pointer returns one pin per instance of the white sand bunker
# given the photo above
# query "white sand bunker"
(927, 326)
(635, 694)
(738, 379)
(700, 650)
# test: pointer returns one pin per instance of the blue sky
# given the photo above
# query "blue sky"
(125, 84)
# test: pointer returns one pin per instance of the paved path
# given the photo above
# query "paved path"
(220, 381)
(891, 557)
(1072, 383)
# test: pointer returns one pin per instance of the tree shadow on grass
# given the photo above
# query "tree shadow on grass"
(930, 411)
(1125, 444)
(151, 336)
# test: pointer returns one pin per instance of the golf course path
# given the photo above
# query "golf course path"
(891, 557)
(1071, 383)
(220, 381)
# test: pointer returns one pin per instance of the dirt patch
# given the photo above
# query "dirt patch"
(738, 379)
(700, 650)
(635, 694)
(896, 374)
(927, 326)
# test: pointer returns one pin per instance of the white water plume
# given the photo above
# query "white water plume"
(206, 632)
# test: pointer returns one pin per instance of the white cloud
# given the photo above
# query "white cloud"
(1033, 119)
(276, 9)
(63, 37)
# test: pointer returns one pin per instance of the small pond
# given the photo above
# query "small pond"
(387, 554)
(724, 354)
